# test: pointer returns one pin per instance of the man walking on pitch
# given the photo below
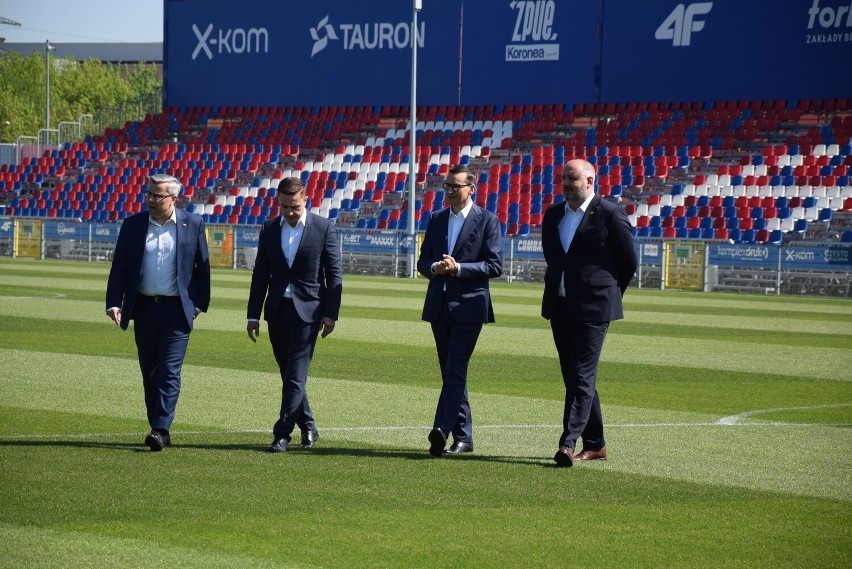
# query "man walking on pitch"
(588, 248)
(461, 252)
(299, 273)
(160, 279)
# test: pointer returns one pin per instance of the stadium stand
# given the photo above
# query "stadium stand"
(746, 171)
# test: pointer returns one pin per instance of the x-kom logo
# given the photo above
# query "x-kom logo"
(320, 43)
(235, 40)
(680, 24)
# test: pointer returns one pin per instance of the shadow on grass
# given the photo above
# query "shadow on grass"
(317, 451)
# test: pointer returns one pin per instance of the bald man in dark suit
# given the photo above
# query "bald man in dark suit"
(588, 247)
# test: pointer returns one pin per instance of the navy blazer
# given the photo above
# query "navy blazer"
(479, 248)
(315, 278)
(598, 265)
(193, 265)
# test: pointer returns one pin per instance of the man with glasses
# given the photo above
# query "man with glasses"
(160, 279)
(461, 251)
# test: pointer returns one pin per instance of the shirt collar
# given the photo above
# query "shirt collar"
(172, 218)
(464, 211)
(583, 206)
(301, 221)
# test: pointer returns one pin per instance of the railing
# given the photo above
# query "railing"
(85, 125)
(818, 268)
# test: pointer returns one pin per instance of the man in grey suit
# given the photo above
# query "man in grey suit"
(588, 248)
(160, 278)
(299, 273)
(461, 251)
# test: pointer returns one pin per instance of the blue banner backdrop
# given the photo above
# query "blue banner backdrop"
(336, 52)
(472, 52)
(725, 49)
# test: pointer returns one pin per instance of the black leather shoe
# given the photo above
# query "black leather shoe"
(437, 440)
(156, 441)
(309, 438)
(279, 445)
(459, 447)
(564, 457)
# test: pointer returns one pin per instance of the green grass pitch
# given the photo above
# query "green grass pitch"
(728, 425)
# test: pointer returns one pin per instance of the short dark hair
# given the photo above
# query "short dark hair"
(467, 170)
(291, 186)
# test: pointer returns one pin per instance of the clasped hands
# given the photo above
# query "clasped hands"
(447, 266)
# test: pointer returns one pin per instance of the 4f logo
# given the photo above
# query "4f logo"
(680, 24)
(320, 43)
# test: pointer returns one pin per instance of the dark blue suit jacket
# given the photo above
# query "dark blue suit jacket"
(598, 266)
(193, 265)
(316, 276)
(479, 248)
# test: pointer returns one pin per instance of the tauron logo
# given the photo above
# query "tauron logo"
(237, 41)
(369, 35)
(534, 24)
(680, 24)
(321, 42)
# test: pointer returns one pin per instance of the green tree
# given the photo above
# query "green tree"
(76, 88)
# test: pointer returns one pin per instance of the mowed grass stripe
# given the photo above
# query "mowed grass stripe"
(35, 547)
(724, 355)
(214, 399)
(791, 330)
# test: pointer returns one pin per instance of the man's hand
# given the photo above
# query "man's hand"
(327, 326)
(115, 315)
(446, 266)
(253, 330)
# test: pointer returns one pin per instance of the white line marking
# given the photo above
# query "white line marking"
(734, 419)
(720, 423)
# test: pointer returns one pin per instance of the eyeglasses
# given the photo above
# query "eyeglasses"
(156, 197)
(455, 187)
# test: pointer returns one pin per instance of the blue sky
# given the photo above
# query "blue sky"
(83, 21)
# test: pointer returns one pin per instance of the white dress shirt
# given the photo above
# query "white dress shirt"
(454, 227)
(290, 239)
(568, 227)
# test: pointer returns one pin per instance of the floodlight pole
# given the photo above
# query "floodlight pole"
(47, 49)
(412, 149)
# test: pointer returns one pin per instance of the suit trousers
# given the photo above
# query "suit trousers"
(455, 342)
(162, 335)
(579, 347)
(293, 341)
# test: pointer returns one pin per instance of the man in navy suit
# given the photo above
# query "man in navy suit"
(160, 278)
(588, 248)
(299, 271)
(461, 251)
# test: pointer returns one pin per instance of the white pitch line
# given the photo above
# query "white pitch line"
(719, 423)
(734, 419)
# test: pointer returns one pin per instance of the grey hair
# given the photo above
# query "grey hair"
(172, 184)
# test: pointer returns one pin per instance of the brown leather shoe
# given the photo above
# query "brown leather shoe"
(564, 456)
(589, 454)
